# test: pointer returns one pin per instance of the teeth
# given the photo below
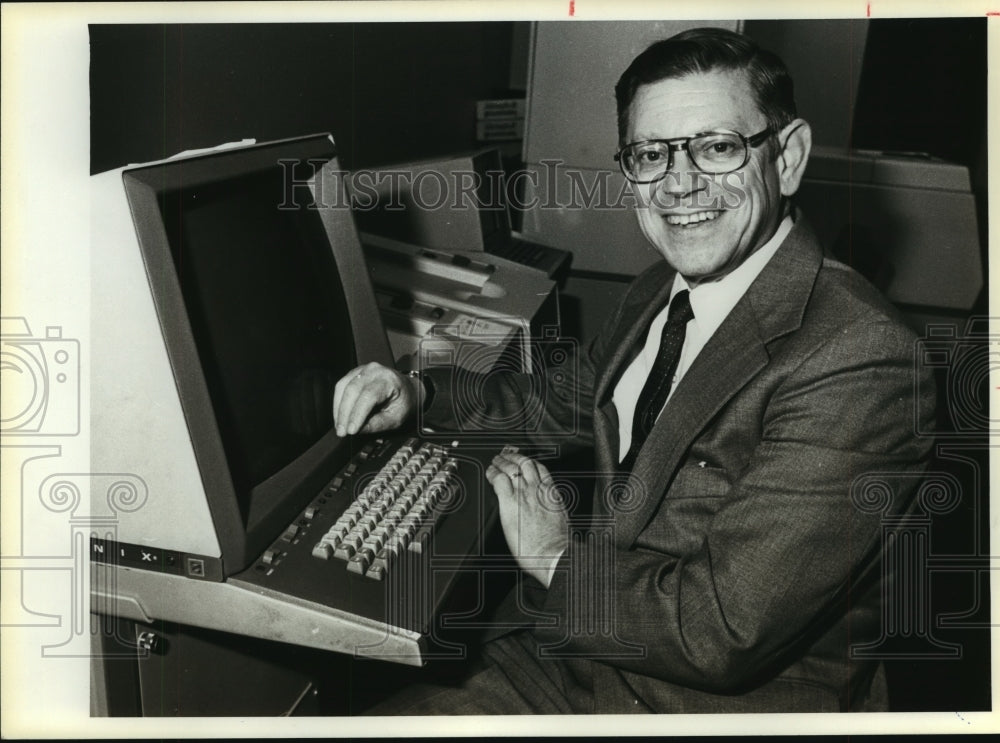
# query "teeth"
(679, 219)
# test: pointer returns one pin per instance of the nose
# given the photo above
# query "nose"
(681, 176)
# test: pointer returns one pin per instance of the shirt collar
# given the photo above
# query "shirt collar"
(713, 301)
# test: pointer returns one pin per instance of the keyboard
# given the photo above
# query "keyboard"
(395, 511)
(390, 535)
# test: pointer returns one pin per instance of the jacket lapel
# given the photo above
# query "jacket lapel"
(642, 304)
(773, 306)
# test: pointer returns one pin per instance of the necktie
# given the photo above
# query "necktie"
(657, 388)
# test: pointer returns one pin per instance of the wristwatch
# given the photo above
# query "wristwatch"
(427, 383)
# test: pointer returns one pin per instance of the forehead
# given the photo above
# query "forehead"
(674, 107)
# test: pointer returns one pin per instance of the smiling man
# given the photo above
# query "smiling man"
(738, 401)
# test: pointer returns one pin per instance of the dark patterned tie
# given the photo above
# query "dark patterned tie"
(657, 388)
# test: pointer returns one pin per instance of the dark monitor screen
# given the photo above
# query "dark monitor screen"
(264, 301)
(268, 315)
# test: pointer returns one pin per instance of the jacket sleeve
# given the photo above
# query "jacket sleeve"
(782, 549)
(552, 405)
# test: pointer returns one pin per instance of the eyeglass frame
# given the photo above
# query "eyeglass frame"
(676, 144)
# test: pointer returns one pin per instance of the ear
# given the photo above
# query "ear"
(797, 141)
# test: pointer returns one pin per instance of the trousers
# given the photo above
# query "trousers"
(510, 677)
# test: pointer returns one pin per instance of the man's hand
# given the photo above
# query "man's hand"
(532, 514)
(373, 398)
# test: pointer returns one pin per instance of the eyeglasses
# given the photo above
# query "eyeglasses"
(714, 153)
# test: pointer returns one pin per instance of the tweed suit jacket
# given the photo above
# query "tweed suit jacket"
(739, 563)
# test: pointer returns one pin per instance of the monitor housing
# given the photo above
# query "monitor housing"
(253, 300)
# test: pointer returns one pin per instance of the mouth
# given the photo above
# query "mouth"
(692, 219)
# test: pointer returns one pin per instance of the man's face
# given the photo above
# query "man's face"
(705, 226)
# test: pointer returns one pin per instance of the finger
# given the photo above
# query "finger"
(380, 421)
(357, 403)
(344, 406)
(510, 469)
(371, 395)
(518, 465)
(338, 394)
(492, 473)
(350, 388)
(508, 462)
(529, 470)
(499, 482)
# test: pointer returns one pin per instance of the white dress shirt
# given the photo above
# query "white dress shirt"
(711, 303)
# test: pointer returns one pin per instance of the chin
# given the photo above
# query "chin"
(696, 273)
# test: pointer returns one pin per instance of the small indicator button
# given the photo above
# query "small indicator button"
(270, 557)
(196, 567)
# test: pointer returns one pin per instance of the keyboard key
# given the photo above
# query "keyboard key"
(323, 550)
(344, 552)
(354, 539)
(358, 564)
(376, 572)
(398, 541)
(418, 545)
(333, 539)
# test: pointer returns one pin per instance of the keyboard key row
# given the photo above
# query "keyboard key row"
(393, 513)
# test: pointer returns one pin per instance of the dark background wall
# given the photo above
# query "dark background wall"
(387, 92)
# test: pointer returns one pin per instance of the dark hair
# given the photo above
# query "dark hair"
(705, 50)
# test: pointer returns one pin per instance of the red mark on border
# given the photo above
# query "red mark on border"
(993, 12)
(868, 10)
(572, 7)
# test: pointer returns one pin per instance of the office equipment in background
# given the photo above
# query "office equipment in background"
(229, 294)
(570, 139)
(501, 120)
(906, 221)
(442, 298)
(458, 203)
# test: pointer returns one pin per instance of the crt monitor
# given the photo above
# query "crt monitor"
(229, 292)
(262, 300)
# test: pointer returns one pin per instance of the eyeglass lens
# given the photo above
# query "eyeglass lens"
(713, 153)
